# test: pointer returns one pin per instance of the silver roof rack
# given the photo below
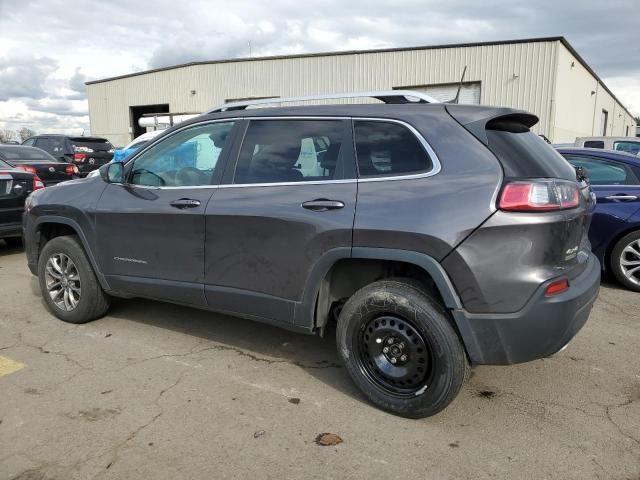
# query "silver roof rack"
(390, 96)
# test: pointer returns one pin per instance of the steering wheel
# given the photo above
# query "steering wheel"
(189, 176)
(144, 171)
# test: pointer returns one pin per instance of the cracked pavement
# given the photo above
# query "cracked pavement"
(166, 392)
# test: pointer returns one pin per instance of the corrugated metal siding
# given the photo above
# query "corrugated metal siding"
(517, 75)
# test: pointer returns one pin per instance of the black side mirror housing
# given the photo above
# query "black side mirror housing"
(112, 172)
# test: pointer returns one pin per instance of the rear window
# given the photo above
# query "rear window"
(523, 154)
(594, 144)
(25, 154)
(95, 144)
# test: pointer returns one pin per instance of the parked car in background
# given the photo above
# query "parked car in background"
(87, 153)
(615, 228)
(15, 186)
(621, 144)
(38, 162)
(477, 253)
(121, 154)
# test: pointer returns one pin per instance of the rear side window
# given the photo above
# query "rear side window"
(523, 154)
(601, 172)
(594, 144)
(277, 151)
(387, 149)
(626, 146)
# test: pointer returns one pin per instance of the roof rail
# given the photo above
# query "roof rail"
(389, 96)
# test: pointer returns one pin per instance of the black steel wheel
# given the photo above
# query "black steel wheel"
(400, 348)
(394, 354)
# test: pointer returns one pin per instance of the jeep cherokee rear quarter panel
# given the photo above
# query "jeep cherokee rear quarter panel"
(434, 213)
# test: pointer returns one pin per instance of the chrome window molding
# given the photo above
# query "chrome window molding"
(435, 168)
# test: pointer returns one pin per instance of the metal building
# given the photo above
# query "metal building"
(545, 76)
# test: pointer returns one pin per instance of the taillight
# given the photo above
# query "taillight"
(37, 183)
(539, 195)
(79, 157)
(27, 168)
(559, 286)
(71, 170)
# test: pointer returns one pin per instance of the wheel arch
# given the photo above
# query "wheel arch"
(340, 272)
(48, 227)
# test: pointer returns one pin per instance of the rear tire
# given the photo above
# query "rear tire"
(68, 284)
(625, 257)
(401, 349)
(14, 242)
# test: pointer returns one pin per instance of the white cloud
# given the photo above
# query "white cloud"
(48, 48)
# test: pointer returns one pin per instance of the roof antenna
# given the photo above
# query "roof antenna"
(456, 99)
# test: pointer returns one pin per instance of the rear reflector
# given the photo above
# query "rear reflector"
(539, 196)
(557, 287)
(37, 183)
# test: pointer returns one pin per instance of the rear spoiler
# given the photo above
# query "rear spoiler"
(478, 119)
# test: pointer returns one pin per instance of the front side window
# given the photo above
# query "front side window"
(386, 149)
(277, 151)
(626, 146)
(187, 158)
(600, 172)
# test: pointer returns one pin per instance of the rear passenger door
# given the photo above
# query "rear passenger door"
(288, 201)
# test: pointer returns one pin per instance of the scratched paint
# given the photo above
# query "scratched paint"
(8, 366)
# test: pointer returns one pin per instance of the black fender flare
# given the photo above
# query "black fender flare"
(305, 310)
(83, 240)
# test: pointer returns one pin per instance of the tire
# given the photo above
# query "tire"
(419, 327)
(91, 301)
(14, 242)
(630, 242)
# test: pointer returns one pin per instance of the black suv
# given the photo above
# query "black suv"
(436, 235)
(86, 153)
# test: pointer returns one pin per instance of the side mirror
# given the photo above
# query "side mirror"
(112, 172)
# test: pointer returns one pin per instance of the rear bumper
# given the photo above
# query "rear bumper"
(540, 329)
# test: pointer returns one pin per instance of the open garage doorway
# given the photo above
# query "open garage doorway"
(135, 113)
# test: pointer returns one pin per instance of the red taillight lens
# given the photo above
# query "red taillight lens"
(539, 196)
(79, 157)
(557, 287)
(27, 168)
(71, 170)
(37, 183)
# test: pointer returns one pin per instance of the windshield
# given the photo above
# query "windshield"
(95, 144)
(25, 154)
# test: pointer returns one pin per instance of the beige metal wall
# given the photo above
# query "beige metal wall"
(519, 75)
(578, 103)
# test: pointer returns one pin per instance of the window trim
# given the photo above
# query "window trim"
(435, 168)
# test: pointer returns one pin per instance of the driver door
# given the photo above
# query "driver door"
(150, 230)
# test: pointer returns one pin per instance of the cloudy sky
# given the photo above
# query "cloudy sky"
(49, 48)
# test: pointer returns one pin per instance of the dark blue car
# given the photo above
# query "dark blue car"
(615, 229)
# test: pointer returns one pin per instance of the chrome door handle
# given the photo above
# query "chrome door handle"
(627, 198)
(185, 203)
(322, 205)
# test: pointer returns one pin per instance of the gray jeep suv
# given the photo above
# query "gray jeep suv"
(437, 236)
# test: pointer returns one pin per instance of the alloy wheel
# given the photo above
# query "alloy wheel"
(63, 281)
(630, 261)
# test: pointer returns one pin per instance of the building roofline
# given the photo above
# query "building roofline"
(560, 39)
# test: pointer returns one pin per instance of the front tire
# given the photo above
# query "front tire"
(68, 284)
(401, 349)
(625, 261)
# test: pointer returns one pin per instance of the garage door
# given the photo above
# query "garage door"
(469, 93)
